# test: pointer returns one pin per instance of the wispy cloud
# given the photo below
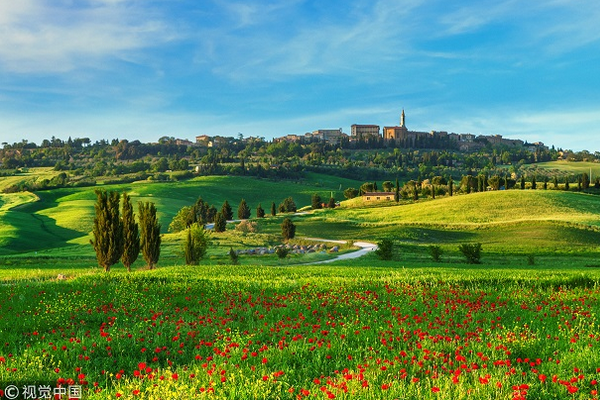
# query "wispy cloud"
(349, 40)
(44, 37)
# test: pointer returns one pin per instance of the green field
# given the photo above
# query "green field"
(64, 217)
(575, 168)
(522, 324)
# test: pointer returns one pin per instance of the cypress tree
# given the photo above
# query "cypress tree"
(107, 230)
(196, 244)
(586, 180)
(533, 183)
(315, 201)
(397, 192)
(227, 211)
(288, 229)
(331, 203)
(450, 187)
(212, 213)
(243, 210)
(522, 182)
(273, 209)
(220, 222)
(567, 183)
(149, 233)
(260, 212)
(131, 235)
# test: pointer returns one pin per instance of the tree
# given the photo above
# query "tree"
(472, 252)
(555, 182)
(273, 209)
(414, 189)
(131, 235)
(397, 192)
(315, 202)
(331, 203)
(366, 187)
(494, 182)
(260, 212)
(196, 244)
(243, 210)
(288, 229)
(450, 187)
(533, 183)
(220, 222)
(387, 186)
(567, 183)
(107, 230)
(227, 211)
(385, 249)
(287, 205)
(350, 193)
(522, 182)
(149, 233)
(585, 181)
(181, 219)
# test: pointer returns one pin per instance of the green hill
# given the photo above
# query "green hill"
(549, 220)
(65, 216)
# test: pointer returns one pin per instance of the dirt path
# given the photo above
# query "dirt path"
(365, 247)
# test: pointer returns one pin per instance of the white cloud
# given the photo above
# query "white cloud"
(44, 38)
(348, 40)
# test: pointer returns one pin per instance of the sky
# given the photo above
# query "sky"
(143, 69)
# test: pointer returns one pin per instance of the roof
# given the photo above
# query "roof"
(379, 194)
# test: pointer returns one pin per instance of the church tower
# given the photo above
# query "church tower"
(402, 120)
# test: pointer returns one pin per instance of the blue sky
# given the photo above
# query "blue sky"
(142, 69)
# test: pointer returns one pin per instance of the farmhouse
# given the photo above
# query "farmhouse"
(378, 196)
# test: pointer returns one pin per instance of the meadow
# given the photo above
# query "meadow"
(346, 332)
(521, 325)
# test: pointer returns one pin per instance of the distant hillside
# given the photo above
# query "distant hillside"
(514, 219)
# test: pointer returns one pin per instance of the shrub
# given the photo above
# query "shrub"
(282, 252)
(247, 227)
(234, 257)
(472, 252)
(530, 259)
(385, 249)
(436, 253)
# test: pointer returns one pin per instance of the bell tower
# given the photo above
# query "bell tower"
(402, 119)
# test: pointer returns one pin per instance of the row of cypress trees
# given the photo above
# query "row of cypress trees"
(117, 236)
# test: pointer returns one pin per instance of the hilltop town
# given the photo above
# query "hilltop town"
(390, 136)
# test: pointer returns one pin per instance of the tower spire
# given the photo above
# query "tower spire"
(402, 119)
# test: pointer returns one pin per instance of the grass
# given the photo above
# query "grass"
(64, 217)
(352, 331)
(575, 168)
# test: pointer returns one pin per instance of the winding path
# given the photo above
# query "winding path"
(365, 247)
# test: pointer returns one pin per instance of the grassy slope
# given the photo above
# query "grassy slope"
(572, 167)
(33, 174)
(509, 219)
(65, 216)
